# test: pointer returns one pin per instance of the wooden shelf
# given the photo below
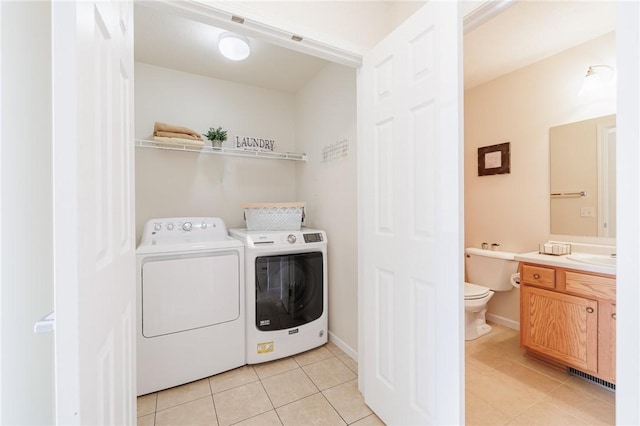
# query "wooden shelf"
(235, 152)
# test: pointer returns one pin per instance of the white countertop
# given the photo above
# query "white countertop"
(564, 262)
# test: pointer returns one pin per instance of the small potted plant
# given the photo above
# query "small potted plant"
(216, 136)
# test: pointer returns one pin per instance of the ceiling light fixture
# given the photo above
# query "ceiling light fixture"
(596, 79)
(234, 46)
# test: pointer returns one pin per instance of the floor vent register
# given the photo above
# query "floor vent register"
(593, 379)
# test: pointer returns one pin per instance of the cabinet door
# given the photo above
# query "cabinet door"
(561, 327)
(607, 342)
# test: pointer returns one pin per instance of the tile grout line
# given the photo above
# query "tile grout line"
(155, 410)
(564, 410)
(548, 397)
(545, 374)
(185, 403)
(271, 401)
(338, 412)
(545, 396)
(587, 393)
(273, 406)
(213, 401)
(259, 379)
(335, 409)
(322, 392)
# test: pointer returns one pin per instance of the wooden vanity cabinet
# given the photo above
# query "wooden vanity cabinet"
(567, 318)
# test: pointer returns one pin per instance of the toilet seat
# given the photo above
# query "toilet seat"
(475, 292)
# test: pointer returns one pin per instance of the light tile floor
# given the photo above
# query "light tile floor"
(505, 388)
(318, 387)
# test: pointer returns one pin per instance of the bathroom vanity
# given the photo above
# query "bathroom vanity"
(568, 312)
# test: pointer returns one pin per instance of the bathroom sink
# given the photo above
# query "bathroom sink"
(593, 259)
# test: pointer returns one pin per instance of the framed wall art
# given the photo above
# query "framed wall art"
(494, 159)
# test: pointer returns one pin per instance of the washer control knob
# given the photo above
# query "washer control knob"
(204, 225)
(187, 226)
(157, 227)
(170, 226)
(291, 238)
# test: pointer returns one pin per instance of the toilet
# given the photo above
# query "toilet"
(487, 271)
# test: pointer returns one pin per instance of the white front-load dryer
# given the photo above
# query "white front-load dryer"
(190, 302)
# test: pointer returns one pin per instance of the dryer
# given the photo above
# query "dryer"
(286, 292)
(190, 302)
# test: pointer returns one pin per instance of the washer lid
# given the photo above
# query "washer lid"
(474, 291)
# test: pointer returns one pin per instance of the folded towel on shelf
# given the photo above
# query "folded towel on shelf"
(177, 135)
(191, 143)
(164, 127)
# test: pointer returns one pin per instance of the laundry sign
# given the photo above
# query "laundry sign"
(256, 144)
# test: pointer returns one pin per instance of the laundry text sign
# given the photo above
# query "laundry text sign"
(256, 144)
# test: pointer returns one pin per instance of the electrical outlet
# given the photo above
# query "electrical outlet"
(587, 212)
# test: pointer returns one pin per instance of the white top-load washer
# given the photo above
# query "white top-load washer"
(190, 302)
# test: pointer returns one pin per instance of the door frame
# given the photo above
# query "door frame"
(475, 13)
(628, 225)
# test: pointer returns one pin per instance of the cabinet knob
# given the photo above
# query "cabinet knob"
(590, 310)
(613, 315)
(536, 276)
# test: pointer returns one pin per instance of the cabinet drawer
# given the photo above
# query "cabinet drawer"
(592, 286)
(538, 276)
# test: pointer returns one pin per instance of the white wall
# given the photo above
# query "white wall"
(180, 184)
(26, 368)
(513, 209)
(170, 183)
(326, 115)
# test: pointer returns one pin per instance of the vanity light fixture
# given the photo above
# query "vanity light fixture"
(234, 46)
(597, 77)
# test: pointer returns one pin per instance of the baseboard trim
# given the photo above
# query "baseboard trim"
(504, 321)
(343, 346)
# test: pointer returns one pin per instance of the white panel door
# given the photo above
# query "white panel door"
(410, 214)
(628, 213)
(94, 244)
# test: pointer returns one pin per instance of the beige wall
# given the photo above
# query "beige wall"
(513, 209)
(170, 183)
(361, 24)
(326, 115)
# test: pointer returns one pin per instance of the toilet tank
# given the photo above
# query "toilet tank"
(488, 268)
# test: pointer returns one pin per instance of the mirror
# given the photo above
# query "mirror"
(582, 157)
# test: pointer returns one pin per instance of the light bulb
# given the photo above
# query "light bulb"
(591, 83)
(234, 46)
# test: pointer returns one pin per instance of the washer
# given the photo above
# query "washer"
(286, 292)
(190, 302)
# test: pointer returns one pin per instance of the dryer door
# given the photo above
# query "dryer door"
(185, 292)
